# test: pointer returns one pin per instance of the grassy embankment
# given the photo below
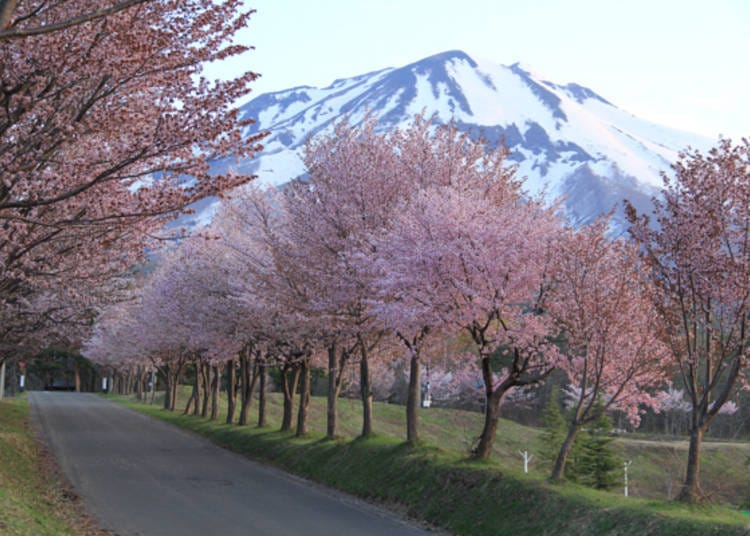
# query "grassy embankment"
(441, 486)
(31, 501)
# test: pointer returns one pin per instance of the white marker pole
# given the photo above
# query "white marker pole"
(626, 465)
(526, 459)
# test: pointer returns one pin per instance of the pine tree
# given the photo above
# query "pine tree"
(554, 428)
(597, 462)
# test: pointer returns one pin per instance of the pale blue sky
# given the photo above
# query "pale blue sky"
(682, 63)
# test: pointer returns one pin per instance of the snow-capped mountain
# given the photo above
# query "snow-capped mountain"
(566, 139)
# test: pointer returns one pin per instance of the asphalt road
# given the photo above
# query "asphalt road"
(140, 476)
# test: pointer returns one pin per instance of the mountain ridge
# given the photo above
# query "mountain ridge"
(566, 139)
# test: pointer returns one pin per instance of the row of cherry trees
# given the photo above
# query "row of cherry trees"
(103, 113)
(396, 241)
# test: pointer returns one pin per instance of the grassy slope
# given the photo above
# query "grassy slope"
(30, 503)
(441, 486)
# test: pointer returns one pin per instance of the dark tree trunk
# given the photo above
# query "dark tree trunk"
(491, 417)
(336, 367)
(262, 396)
(132, 381)
(13, 376)
(195, 393)
(154, 379)
(289, 388)
(493, 398)
(206, 381)
(558, 471)
(249, 379)
(77, 372)
(332, 416)
(169, 388)
(197, 390)
(231, 391)
(215, 384)
(691, 491)
(304, 398)
(175, 384)
(139, 384)
(167, 385)
(244, 386)
(700, 419)
(145, 382)
(412, 400)
(365, 391)
(192, 400)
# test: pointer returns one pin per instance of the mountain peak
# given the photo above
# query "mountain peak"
(447, 56)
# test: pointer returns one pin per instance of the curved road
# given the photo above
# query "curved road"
(142, 477)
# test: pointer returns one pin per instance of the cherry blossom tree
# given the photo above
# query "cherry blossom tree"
(204, 307)
(435, 159)
(272, 287)
(351, 189)
(699, 258)
(600, 300)
(472, 257)
(427, 155)
(165, 336)
(106, 131)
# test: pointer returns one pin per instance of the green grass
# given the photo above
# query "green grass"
(30, 502)
(440, 486)
(657, 467)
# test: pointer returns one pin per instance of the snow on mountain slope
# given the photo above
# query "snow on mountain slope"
(565, 139)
